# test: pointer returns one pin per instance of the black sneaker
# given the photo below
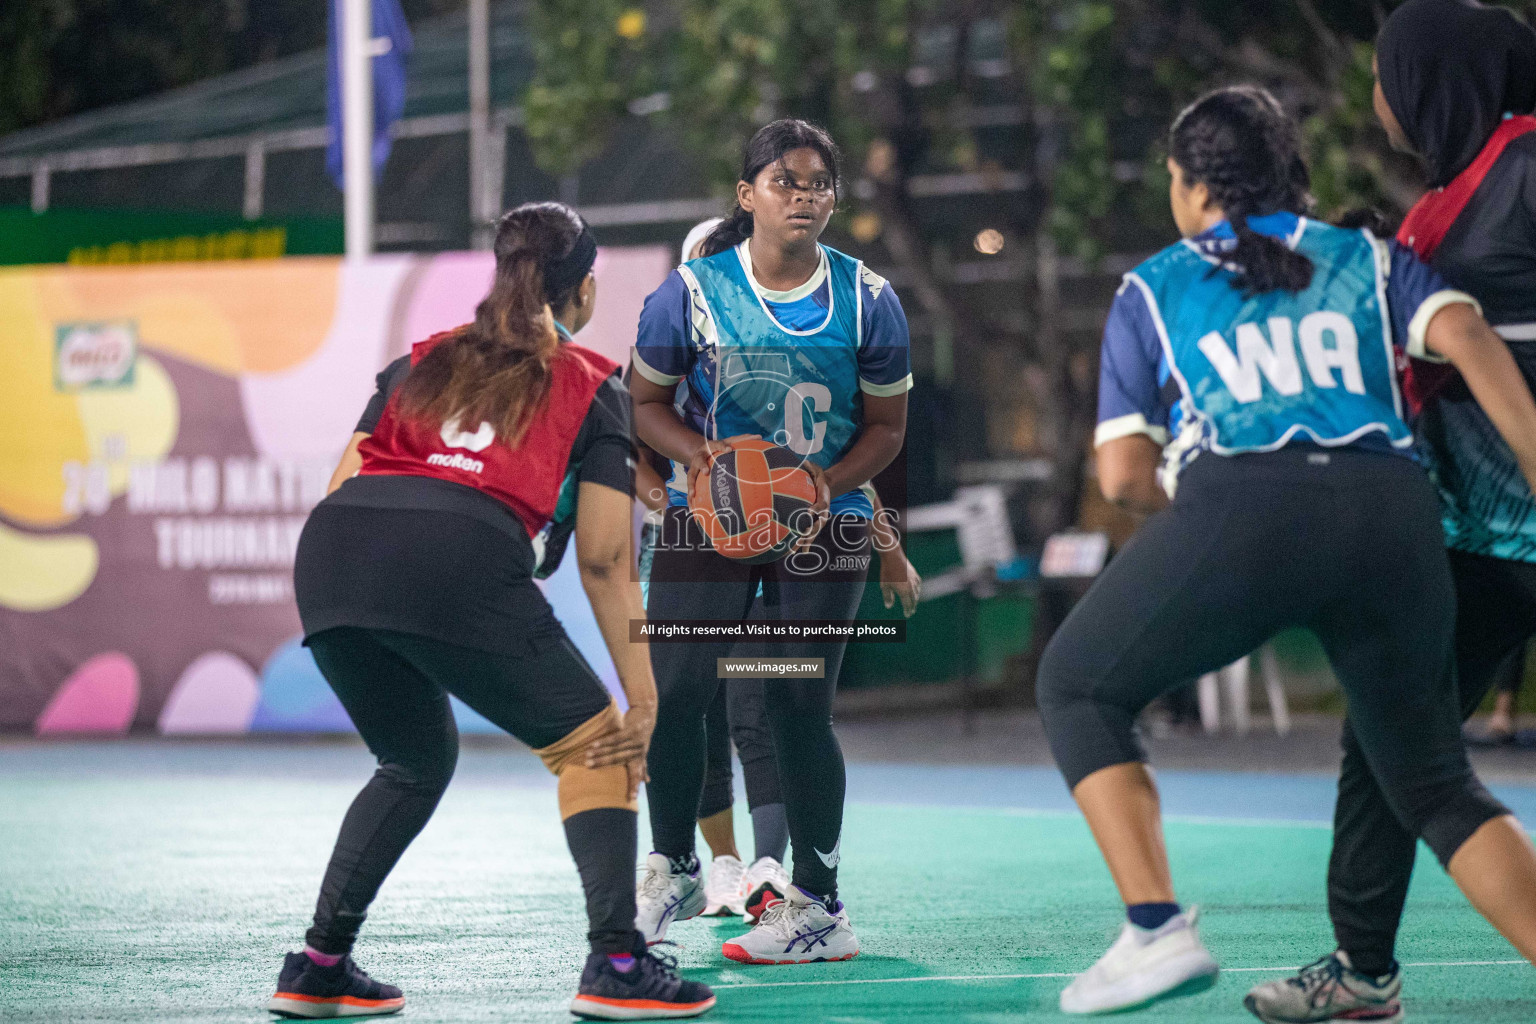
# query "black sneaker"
(648, 991)
(305, 989)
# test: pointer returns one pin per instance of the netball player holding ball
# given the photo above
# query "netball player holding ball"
(482, 452)
(736, 716)
(733, 887)
(780, 338)
(1298, 503)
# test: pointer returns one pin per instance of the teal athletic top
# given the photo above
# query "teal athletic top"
(789, 367)
(1191, 362)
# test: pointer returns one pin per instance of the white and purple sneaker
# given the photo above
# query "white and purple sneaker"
(665, 896)
(796, 930)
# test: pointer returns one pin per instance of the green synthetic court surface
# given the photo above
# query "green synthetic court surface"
(162, 882)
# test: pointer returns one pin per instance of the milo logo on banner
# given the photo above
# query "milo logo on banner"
(95, 355)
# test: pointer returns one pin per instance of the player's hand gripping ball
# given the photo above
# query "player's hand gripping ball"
(754, 501)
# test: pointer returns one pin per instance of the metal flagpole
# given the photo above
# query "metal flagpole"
(482, 206)
(357, 124)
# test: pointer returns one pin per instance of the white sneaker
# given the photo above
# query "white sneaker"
(1142, 967)
(723, 894)
(664, 897)
(765, 881)
(797, 930)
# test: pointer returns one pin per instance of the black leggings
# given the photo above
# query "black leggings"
(691, 581)
(1509, 677)
(738, 717)
(395, 687)
(1344, 542)
(718, 793)
(1373, 854)
(748, 717)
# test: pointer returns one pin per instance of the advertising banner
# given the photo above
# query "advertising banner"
(90, 237)
(164, 431)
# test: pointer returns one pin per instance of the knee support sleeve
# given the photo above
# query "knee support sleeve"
(582, 788)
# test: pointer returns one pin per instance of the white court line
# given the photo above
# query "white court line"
(1061, 974)
(1056, 813)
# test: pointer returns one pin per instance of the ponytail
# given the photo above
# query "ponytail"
(1267, 263)
(729, 233)
(497, 369)
(1240, 144)
(770, 143)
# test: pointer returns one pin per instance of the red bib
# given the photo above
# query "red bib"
(1425, 228)
(527, 479)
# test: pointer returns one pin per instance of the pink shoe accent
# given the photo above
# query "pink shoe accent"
(323, 959)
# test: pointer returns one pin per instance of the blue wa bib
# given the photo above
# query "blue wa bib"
(797, 388)
(1256, 373)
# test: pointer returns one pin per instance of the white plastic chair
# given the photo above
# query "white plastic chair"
(1234, 681)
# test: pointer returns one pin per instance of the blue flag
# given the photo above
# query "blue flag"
(388, 83)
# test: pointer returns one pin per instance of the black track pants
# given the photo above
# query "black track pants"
(1373, 854)
(690, 581)
(395, 687)
(1344, 542)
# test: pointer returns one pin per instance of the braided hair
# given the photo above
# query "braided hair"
(770, 143)
(1240, 145)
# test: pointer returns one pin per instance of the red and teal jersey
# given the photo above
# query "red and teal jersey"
(1479, 231)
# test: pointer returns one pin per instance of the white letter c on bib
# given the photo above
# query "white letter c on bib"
(820, 397)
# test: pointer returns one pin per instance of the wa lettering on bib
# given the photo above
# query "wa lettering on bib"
(1257, 372)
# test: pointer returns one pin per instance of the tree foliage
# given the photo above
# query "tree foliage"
(1098, 81)
(715, 70)
(587, 70)
(907, 85)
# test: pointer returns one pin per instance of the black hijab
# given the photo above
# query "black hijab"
(1450, 70)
